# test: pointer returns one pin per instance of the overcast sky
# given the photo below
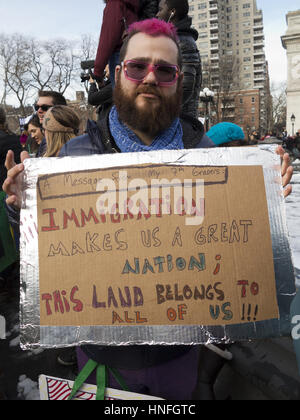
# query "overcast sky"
(71, 18)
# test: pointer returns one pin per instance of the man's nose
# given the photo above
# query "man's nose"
(151, 78)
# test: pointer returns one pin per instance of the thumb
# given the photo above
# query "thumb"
(24, 155)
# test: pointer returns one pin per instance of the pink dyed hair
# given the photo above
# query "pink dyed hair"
(152, 27)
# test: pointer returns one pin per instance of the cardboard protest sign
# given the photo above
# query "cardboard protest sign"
(151, 268)
(155, 248)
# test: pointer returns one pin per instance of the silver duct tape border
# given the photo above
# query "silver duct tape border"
(32, 335)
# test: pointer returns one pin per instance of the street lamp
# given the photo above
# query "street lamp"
(293, 119)
(207, 96)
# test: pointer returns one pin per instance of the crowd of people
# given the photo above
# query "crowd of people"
(150, 103)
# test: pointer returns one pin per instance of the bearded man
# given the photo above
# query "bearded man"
(145, 117)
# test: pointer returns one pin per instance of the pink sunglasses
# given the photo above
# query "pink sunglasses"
(136, 71)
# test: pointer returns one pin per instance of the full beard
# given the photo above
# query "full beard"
(153, 118)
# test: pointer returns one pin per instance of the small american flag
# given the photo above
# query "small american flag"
(59, 390)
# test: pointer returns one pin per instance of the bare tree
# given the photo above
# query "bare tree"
(279, 106)
(221, 78)
(88, 47)
(53, 64)
(87, 51)
(42, 68)
(15, 65)
(28, 65)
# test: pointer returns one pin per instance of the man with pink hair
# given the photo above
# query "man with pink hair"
(145, 117)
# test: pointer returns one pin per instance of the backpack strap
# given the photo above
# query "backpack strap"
(102, 379)
(105, 137)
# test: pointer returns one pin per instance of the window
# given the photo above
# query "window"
(203, 35)
(203, 45)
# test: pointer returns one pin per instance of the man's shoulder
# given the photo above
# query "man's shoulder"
(79, 146)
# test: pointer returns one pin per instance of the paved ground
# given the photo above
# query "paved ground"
(13, 361)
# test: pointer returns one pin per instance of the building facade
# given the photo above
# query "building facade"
(231, 44)
(291, 42)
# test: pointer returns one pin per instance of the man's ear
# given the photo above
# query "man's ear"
(117, 71)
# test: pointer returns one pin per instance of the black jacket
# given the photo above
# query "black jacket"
(148, 9)
(8, 142)
(192, 67)
(101, 98)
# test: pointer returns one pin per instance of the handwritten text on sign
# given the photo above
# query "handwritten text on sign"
(193, 248)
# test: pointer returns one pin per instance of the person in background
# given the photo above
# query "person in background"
(148, 9)
(61, 124)
(297, 140)
(117, 16)
(24, 137)
(227, 134)
(46, 100)
(101, 96)
(8, 242)
(8, 141)
(176, 11)
(35, 130)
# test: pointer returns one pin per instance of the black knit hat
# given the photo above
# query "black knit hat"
(2, 116)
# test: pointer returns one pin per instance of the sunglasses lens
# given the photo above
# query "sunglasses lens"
(138, 71)
(44, 108)
(166, 74)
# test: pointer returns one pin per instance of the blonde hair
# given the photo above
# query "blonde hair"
(67, 118)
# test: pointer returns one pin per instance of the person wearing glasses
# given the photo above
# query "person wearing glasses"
(145, 117)
(46, 100)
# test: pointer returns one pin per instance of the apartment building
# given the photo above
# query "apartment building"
(231, 43)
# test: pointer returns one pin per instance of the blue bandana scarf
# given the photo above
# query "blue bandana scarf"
(128, 142)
